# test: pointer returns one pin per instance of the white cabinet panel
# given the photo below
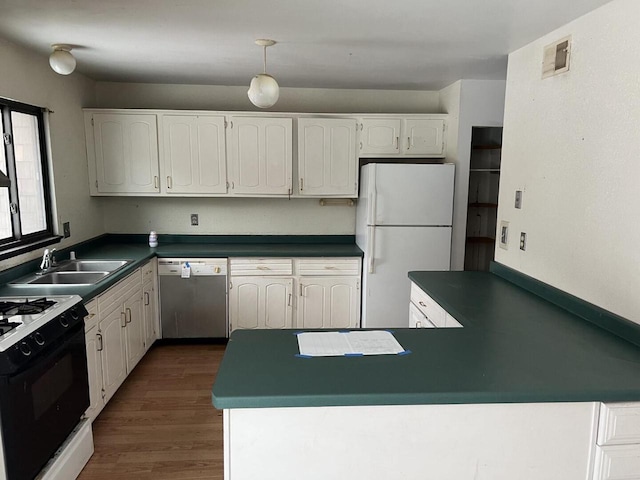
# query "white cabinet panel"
(380, 136)
(94, 366)
(134, 331)
(260, 155)
(329, 302)
(417, 318)
(260, 302)
(113, 358)
(150, 313)
(423, 137)
(619, 423)
(327, 160)
(126, 153)
(194, 154)
(619, 462)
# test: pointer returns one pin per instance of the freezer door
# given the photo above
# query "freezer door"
(397, 251)
(411, 194)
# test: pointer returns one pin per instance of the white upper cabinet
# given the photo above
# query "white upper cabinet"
(423, 137)
(379, 136)
(194, 156)
(260, 155)
(419, 136)
(327, 157)
(126, 153)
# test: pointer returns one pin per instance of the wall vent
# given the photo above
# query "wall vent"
(556, 57)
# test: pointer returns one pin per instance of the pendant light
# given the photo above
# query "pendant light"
(61, 60)
(264, 90)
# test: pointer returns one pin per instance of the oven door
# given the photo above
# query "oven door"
(42, 404)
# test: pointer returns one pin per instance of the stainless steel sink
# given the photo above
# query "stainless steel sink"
(69, 278)
(90, 265)
(74, 272)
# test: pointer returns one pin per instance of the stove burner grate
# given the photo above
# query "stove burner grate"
(28, 307)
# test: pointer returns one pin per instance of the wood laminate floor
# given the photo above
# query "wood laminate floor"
(161, 423)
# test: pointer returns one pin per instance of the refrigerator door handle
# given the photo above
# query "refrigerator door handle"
(372, 244)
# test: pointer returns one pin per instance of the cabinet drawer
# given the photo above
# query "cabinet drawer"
(261, 266)
(328, 266)
(117, 293)
(434, 312)
(619, 424)
(148, 271)
(91, 320)
(417, 318)
(619, 462)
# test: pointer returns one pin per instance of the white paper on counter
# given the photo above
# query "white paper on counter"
(333, 344)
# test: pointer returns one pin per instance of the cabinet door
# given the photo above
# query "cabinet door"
(327, 159)
(126, 148)
(260, 302)
(135, 328)
(260, 155)
(94, 366)
(150, 314)
(417, 318)
(423, 137)
(113, 358)
(380, 136)
(194, 154)
(329, 302)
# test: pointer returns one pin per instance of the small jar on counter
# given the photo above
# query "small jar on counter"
(153, 239)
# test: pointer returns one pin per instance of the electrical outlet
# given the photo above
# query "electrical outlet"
(523, 241)
(518, 203)
(504, 235)
(194, 219)
(66, 229)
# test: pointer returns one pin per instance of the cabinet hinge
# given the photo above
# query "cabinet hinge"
(225, 124)
(13, 208)
(301, 184)
(103, 393)
(7, 138)
(96, 183)
(230, 285)
(92, 121)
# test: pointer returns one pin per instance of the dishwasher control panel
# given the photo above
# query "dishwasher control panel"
(198, 266)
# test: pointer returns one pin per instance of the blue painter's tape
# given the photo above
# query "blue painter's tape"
(300, 355)
(406, 352)
(297, 333)
(390, 331)
(353, 354)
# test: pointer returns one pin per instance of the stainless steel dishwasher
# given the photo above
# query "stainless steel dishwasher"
(193, 297)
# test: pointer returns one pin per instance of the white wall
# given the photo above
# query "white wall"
(244, 216)
(469, 103)
(212, 97)
(572, 143)
(27, 77)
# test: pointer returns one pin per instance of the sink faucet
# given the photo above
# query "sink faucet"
(48, 260)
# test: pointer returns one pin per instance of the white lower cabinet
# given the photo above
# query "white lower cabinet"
(117, 337)
(618, 442)
(329, 302)
(424, 312)
(327, 293)
(260, 302)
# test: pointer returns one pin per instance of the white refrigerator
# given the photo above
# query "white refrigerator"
(403, 223)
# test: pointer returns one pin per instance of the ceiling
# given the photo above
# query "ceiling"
(402, 44)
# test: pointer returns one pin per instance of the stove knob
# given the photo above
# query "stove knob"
(74, 314)
(38, 338)
(63, 321)
(25, 349)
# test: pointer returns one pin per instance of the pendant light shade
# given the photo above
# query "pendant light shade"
(61, 60)
(264, 90)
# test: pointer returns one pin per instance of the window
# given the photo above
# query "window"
(25, 197)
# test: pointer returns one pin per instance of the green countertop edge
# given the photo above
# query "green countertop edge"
(134, 247)
(604, 319)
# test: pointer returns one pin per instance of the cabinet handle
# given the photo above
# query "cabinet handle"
(128, 315)
(123, 319)
(422, 303)
(169, 182)
(408, 143)
(360, 145)
(146, 298)
(155, 181)
(90, 316)
(301, 290)
(233, 184)
(397, 140)
(419, 324)
(289, 303)
(260, 267)
(99, 339)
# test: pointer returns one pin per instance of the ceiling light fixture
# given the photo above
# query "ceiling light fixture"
(61, 60)
(264, 90)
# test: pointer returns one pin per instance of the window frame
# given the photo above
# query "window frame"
(19, 243)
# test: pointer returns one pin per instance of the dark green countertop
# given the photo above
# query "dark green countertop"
(514, 347)
(134, 247)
